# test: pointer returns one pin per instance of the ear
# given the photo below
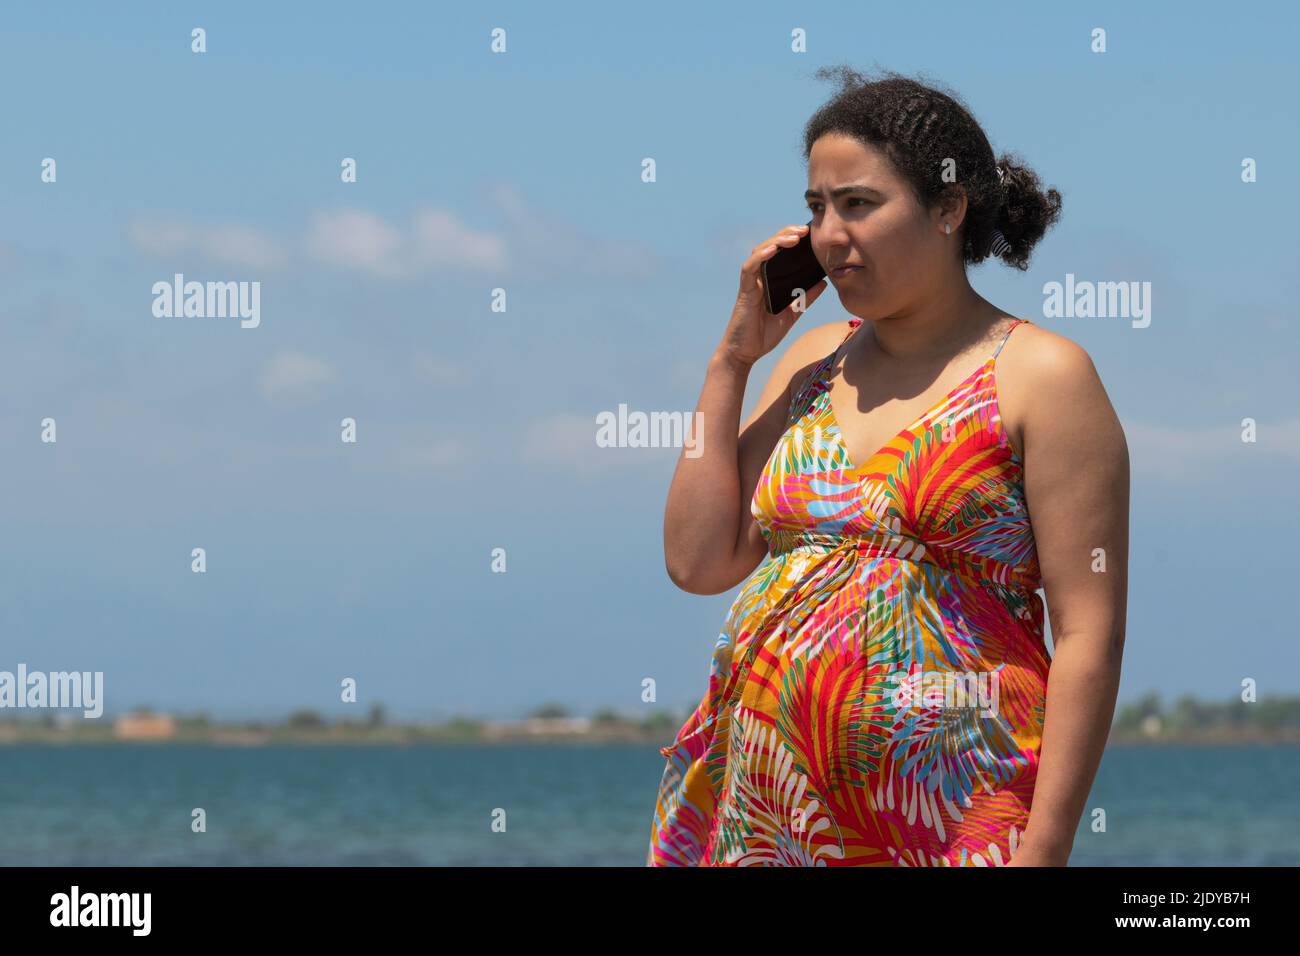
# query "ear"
(950, 206)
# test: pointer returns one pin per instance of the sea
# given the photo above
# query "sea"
(539, 805)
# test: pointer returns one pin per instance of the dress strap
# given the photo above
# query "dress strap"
(853, 327)
(1010, 329)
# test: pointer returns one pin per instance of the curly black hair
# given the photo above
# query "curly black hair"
(925, 130)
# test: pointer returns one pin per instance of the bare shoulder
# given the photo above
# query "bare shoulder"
(809, 348)
(1043, 355)
(1044, 377)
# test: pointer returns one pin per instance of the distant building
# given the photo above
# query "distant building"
(557, 725)
(237, 736)
(145, 727)
(538, 727)
(1151, 725)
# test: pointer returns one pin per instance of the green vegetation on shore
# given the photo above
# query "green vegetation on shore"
(550, 723)
(1189, 720)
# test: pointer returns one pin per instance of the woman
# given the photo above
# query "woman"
(881, 693)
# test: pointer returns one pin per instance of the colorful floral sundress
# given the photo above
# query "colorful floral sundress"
(877, 692)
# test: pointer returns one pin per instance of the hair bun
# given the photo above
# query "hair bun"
(1026, 212)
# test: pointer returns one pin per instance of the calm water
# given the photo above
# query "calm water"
(574, 805)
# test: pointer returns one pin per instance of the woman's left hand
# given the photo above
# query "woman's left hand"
(1028, 854)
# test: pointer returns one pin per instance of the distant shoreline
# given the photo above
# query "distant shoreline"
(1144, 723)
(19, 734)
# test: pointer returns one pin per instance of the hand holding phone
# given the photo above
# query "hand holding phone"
(756, 327)
(790, 268)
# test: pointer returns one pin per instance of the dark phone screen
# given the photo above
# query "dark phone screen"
(788, 269)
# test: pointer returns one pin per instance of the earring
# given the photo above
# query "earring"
(947, 228)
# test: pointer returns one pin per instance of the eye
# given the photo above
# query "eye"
(812, 206)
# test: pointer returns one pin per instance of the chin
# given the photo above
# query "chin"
(858, 303)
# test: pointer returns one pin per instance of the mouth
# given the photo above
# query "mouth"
(839, 272)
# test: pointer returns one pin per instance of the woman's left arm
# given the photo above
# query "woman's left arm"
(1076, 470)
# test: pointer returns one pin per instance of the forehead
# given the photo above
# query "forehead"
(835, 159)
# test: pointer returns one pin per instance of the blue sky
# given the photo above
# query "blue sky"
(522, 171)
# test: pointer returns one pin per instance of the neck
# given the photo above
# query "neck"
(937, 328)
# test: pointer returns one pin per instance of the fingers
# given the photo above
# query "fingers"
(750, 270)
(785, 238)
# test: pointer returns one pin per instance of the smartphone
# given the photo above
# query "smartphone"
(790, 268)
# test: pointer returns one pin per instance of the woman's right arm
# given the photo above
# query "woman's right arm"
(710, 540)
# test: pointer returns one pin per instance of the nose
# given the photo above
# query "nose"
(830, 235)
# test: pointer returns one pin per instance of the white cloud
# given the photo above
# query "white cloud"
(412, 449)
(529, 245)
(440, 239)
(434, 456)
(543, 246)
(361, 240)
(560, 439)
(241, 245)
(294, 377)
(1207, 454)
(160, 238)
(355, 239)
(568, 443)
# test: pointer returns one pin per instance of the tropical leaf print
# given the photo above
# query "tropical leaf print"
(771, 816)
(914, 568)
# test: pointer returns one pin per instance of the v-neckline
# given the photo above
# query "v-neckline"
(829, 363)
(839, 429)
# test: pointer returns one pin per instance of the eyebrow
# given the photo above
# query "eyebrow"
(839, 191)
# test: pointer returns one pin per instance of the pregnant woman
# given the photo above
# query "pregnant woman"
(881, 692)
